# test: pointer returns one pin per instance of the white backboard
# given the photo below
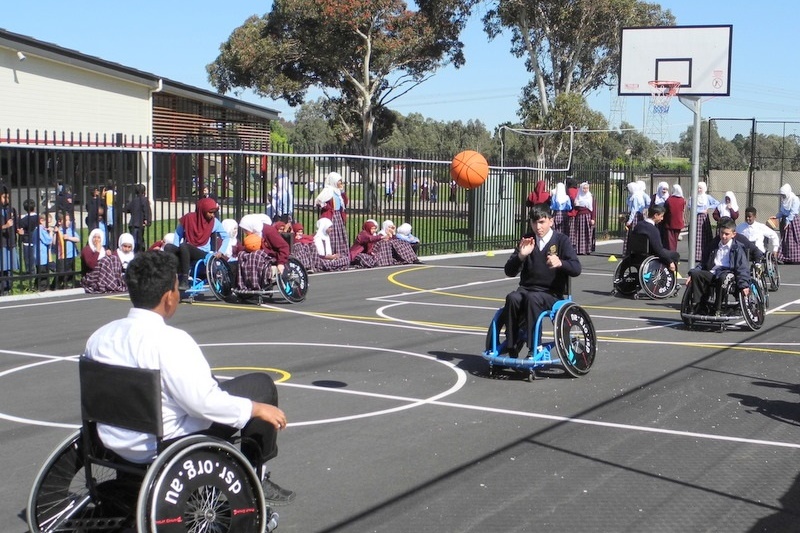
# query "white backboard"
(697, 56)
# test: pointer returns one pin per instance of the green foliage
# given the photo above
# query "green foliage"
(361, 53)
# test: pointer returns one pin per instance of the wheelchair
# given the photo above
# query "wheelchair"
(292, 286)
(209, 274)
(726, 305)
(196, 483)
(642, 271)
(573, 348)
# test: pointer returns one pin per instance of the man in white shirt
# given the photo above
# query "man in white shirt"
(192, 400)
(758, 233)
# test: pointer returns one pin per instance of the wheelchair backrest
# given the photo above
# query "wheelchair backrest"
(119, 396)
(639, 244)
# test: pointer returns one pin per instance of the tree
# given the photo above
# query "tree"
(570, 46)
(362, 54)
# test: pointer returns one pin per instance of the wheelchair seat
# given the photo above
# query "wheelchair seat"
(195, 483)
(293, 286)
(641, 270)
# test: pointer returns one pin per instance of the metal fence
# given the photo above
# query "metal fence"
(61, 174)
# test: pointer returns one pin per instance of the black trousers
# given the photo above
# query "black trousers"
(523, 307)
(186, 253)
(259, 438)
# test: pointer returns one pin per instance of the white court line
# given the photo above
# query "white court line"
(554, 418)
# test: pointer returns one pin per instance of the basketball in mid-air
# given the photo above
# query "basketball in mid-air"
(469, 169)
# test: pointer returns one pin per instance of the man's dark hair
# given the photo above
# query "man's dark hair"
(149, 276)
(726, 223)
(654, 210)
(29, 206)
(750, 210)
(539, 211)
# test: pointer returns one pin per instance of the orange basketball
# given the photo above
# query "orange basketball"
(469, 169)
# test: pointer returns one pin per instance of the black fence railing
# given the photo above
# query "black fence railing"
(64, 173)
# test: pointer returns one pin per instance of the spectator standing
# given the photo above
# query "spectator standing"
(140, 216)
(673, 222)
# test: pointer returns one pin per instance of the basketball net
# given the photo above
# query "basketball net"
(564, 161)
(661, 93)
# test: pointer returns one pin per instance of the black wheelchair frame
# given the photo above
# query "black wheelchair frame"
(640, 270)
(196, 483)
(719, 309)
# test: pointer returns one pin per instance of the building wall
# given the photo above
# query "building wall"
(44, 95)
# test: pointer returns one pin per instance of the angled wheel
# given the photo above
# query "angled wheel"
(220, 278)
(575, 338)
(773, 274)
(752, 307)
(758, 273)
(60, 499)
(687, 306)
(656, 279)
(295, 287)
(626, 276)
(201, 484)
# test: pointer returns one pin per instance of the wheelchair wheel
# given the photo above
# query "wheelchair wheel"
(626, 277)
(60, 499)
(575, 338)
(752, 307)
(758, 273)
(773, 274)
(656, 279)
(687, 306)
(201, 484)
(294, 289)
(220, 278)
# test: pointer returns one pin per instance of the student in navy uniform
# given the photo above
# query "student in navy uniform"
(544, 260)
(649, 228)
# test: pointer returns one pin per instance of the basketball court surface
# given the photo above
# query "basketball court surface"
(395, 424)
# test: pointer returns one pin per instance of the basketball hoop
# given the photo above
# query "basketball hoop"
(661, 93)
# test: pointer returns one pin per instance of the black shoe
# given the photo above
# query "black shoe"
(274, 494)
(183, 285)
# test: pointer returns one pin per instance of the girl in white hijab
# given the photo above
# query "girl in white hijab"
(789, 225)
(388, 228)
(327, 258)
(125, 245)
(582, 234)
(702, 202)
(662, 193)
(231, 227)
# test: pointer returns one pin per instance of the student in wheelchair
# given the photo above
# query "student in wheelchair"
(194, 238)
(725, 262)
(544, 260)
(193, 401)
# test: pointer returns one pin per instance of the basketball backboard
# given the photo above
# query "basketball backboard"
(697, 56)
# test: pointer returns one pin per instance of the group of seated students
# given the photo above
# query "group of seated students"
(103, 270)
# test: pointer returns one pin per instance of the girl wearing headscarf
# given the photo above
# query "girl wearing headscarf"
(402, 252)
(361, 253)
(283, 198)
(638, 201)
(303, 248)
(125, 245)
(700, 205)
(404, 234)
(327, 259)
(194, 234)
(539, 196)
(661, 194)
(789, 225)
(673, 221)
(101, 269)
(582, 233)
(560, 205)
(231, 227)
(728, 208)
(332, 203)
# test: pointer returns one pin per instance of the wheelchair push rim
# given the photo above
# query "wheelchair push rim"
(220, 278)
(295, 287)
(575, 339)
(656, 279)
(201, 484)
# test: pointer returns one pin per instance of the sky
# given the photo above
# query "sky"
(176, 39)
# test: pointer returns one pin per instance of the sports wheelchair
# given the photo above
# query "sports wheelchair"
(292, 285)
(640, 270)
(215, 274)
(726, 305)
(574, 344)
(196, 483)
